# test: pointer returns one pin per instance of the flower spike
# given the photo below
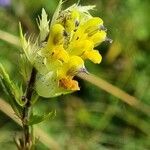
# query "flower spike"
(72, 38)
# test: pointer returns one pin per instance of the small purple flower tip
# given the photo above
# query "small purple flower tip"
(5, 3)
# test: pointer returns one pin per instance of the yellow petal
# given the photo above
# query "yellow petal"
(56, 36)
(93, 55)
(92, 25)
(71, 68)
(88, 29)
(60, 54)
(72, 21)
(98, 37)
(75, 63)
(78, 47)
(69, 84)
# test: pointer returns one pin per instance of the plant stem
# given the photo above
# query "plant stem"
(27, 110)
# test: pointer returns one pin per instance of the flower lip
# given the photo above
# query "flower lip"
(102, 27)
(108, 40)
(83, 70)
(69, 84)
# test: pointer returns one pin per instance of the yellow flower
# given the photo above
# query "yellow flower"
(73, 35)
(72, 67)
(68, 71)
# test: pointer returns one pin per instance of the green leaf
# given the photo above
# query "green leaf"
(34, 98)
(56, 13)
(11, 99)
(13, 90)
(35, 119)
(25, 67)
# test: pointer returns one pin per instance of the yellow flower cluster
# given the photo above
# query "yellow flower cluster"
(72, 39)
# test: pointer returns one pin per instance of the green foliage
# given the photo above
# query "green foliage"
(25, 67)
(56, 13)
(14, 91)
(35, 119)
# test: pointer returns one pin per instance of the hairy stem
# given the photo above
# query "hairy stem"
(27, 110)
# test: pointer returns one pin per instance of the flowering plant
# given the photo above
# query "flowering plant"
(50, 61)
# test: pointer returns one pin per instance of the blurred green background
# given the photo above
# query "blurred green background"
(90, 119)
